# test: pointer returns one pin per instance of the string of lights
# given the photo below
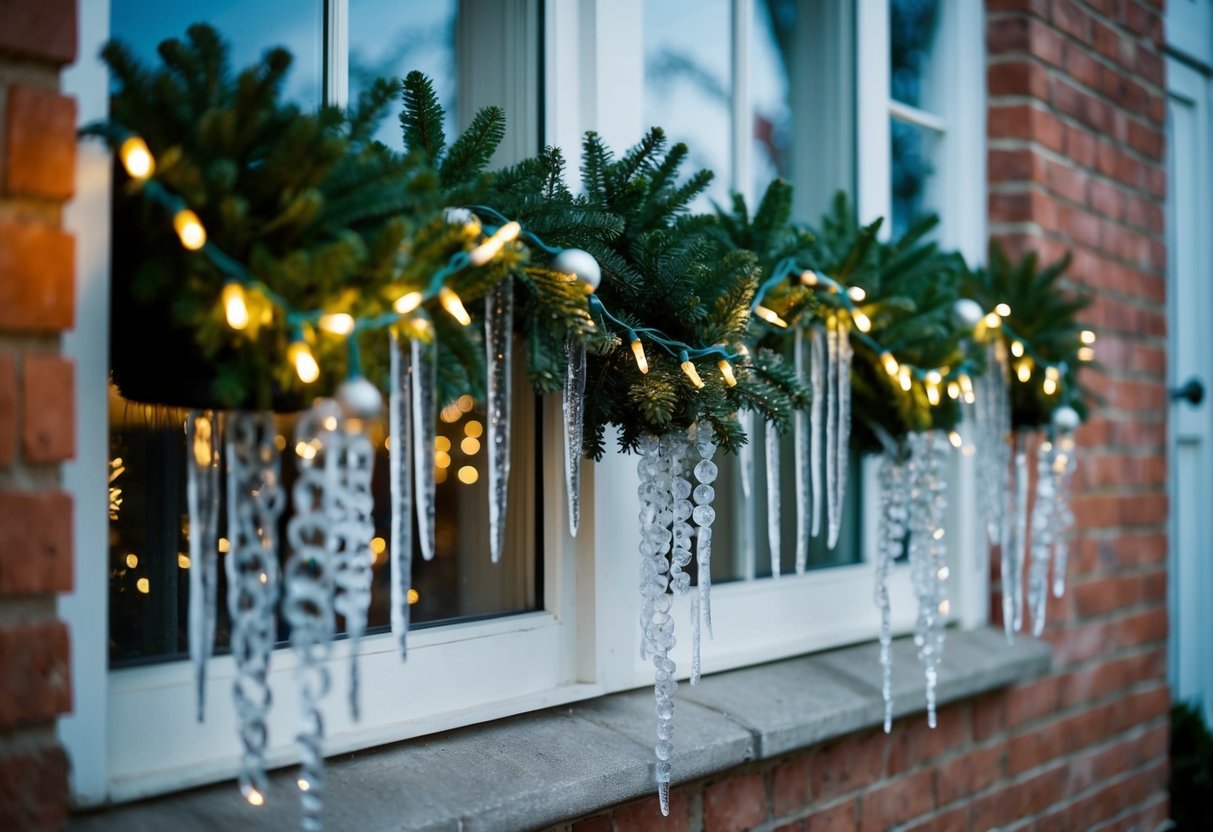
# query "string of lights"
(139, 163)
(956, 381)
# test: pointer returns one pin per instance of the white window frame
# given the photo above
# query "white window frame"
(584, 642)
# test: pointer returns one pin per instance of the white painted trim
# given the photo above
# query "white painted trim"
(742, 101)
(919, 118)
(84, 732)
(873, 198)
(337, 52)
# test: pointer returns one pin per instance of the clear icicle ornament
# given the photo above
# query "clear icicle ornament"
(401, 484)
(704, 440)
(308, 585)
(657, 625)
(928, 552)
(424, 372)
(203, 435)
(801, 430)
(498, 343)
(255, 500)
(574, 427)
(843, 432)
(352, 531)
(991, 405)
(774, 498)
(745, 454)
(893, 496)
(1015, 539)
(1043, 529)
(1061, 470)
(816, 421)
(680, 492)
(833, 515)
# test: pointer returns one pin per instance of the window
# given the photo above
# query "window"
(780, 89)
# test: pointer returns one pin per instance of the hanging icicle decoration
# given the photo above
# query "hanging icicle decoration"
(774, 498)
(353, 561)
(400, 482)
(891, 544)
(255, 500)
(657, 625)
(928, 552)
(680, 491)
(308, 583)
(801, 430)
(498, 342)
(1043, 506)
(833, 515)
(816, 420)
(203, 434)
(1065, 450)
(745, 454)
(1015, 539)
(574, 423)
(843, 433)
(704, 440)
(990, 398)
(424, 371)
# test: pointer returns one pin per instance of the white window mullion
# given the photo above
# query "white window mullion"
(873, 198)
(337, 52)
(919, 118)
(742, 100)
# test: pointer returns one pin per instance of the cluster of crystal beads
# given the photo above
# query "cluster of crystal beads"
(894, 498)
(928, 551)
(255, 499)
(498, 344)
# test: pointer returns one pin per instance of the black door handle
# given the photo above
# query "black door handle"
(1192, 390)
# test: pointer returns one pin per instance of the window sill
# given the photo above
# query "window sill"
(536, 769)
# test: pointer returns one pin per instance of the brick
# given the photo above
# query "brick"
(42, 29)
(838, 818)
(1023, 121)
(8, 410)
(645, 815)
(33, 787)
(956, 820)
(1081, 65)
(1072, 20)
(914, 741)
(598, 823)
(849, 764)
(968, 774)
(735, 804)
(896, 802)
(34, 677)
(1015, 165)
(1146, 140)
(36, 277)
(35, 543)
(1033, 701)
(39, 143)
(1106, 199)
(1142, 628)
(791, 786)
(1080, 105)
(1018, 78)
(1067, 181)
(48, 431)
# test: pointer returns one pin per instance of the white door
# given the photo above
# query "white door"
(1190, 348)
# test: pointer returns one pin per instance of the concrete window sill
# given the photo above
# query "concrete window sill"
(536, 769)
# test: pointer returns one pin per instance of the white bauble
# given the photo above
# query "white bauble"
(1065, 418)
(580, 263)
(458, 216)
(359, 398)
(967, 312)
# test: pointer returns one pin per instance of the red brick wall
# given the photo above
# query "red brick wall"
(1076, 142)
(37, 431)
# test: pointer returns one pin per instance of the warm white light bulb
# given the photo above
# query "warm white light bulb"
(189, 229)
(642, 362)
(300, 354)
(136, 158)
(452, 304)
(235, 306)
(769, 316)
(338, 323)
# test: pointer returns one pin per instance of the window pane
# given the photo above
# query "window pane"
(250, 29)
(771, 71)
(390, 38)
(687, 82)
(742, 549)
(913, 151)
(149, 534)
(912, 27)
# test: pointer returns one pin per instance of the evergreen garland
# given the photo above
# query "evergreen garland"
(1043, 318)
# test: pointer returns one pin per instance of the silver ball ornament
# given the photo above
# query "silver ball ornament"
(580, 263)
(359, 398)
(1065, 418)
(458, 216)
(967, 312)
